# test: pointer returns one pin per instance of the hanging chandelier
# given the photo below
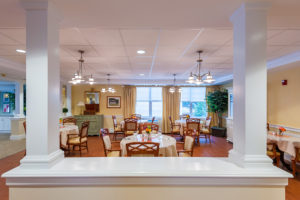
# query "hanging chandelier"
(78, 76)
(109, 89)
(173, 89)
(199, 79)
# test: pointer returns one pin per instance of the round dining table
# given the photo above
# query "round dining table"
(167, 144)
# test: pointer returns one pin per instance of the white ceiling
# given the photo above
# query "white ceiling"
(171, 32)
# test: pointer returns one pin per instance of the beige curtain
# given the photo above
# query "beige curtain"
(214, 116)
(129, 100)
(171, 107)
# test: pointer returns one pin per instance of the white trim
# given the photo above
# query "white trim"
(153, 171)
(17, 137)
(286, 127)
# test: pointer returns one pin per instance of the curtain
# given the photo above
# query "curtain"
(171, 107)
(214, 116)
(129, 100)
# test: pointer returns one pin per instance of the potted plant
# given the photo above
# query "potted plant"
(65, 110)
(217, 102)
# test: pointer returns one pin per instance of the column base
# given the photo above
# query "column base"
(41, 161)
(250, 161)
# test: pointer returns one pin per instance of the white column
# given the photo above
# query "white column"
(69, 98)
(43, 82)
(19, 98)
(250, 85)
(18, 95)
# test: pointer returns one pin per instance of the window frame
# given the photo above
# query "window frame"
(150, 104)
(191, 104)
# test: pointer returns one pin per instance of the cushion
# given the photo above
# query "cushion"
(130, 132)
(176, 130)
(188, 143)
(69, 123)
(76, 140)
(113, 154)
(271, 154)
(107, 142)
(207, 123)
(183, 154)
(205, 131)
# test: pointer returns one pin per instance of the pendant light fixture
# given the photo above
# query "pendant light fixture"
(173, 89)
(198, 78)
(78, 76)
(109, 89)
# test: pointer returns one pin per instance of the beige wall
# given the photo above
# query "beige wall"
(284, 101)
(148, 193)
(78, 95)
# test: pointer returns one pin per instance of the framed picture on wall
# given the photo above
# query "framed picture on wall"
(6, 97)
(113, 102)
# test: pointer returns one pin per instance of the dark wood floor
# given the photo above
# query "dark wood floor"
(218, 148)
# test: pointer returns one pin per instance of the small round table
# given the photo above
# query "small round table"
(167, 144)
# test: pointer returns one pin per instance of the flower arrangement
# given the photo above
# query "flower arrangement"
(188, 116)
(148, 129)
(281, 130)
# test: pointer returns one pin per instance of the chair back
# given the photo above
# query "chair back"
(136, 116)
(193, 124)
(189, 143)
(114, 121)
(142, 148)
(69, 121)
(105, 140)
(207, 122)
(155, 127)
(153, 118)
(297, 157)
(130, 124)
(84, 129)
(24, 125)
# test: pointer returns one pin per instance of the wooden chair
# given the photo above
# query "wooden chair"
(205, 130)
(142, 149)
(188, 147)
(136, 116)
(117, 128)
(175, 128)
(80, 140)
(273, 153)
(130, 126)
(155, 128)
(69, 121)
(107, 144)
(192, 128)
(296, 160)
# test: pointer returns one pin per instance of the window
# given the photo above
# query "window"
(193, 101)
(149, 102)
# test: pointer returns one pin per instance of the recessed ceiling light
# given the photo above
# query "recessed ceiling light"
(20, 51)
(142, 74)
(141, 51)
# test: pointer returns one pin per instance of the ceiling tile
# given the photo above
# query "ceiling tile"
(71, 36)
(143, 37)
(102, 37)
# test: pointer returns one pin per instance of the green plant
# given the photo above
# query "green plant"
(12, 100)
(217, 102)
(65, 110)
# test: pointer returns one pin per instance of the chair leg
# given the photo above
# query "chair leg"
(87, 148)
(209, 139)
(294, 167)
(80, 150)
(277, 161)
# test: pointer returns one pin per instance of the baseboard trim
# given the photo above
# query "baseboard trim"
(17, 137)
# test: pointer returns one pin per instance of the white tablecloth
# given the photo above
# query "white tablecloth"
(167, 144)
(65, 130)
(285, 143)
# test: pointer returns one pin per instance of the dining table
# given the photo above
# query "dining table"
(64, 131)
(167, 144)
(285, 144)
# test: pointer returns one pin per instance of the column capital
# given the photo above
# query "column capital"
(30, 5)
(263, 6)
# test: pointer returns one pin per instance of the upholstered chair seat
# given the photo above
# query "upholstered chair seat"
(107, 145)
(271, 153)
(76, 140)
(188, 147)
